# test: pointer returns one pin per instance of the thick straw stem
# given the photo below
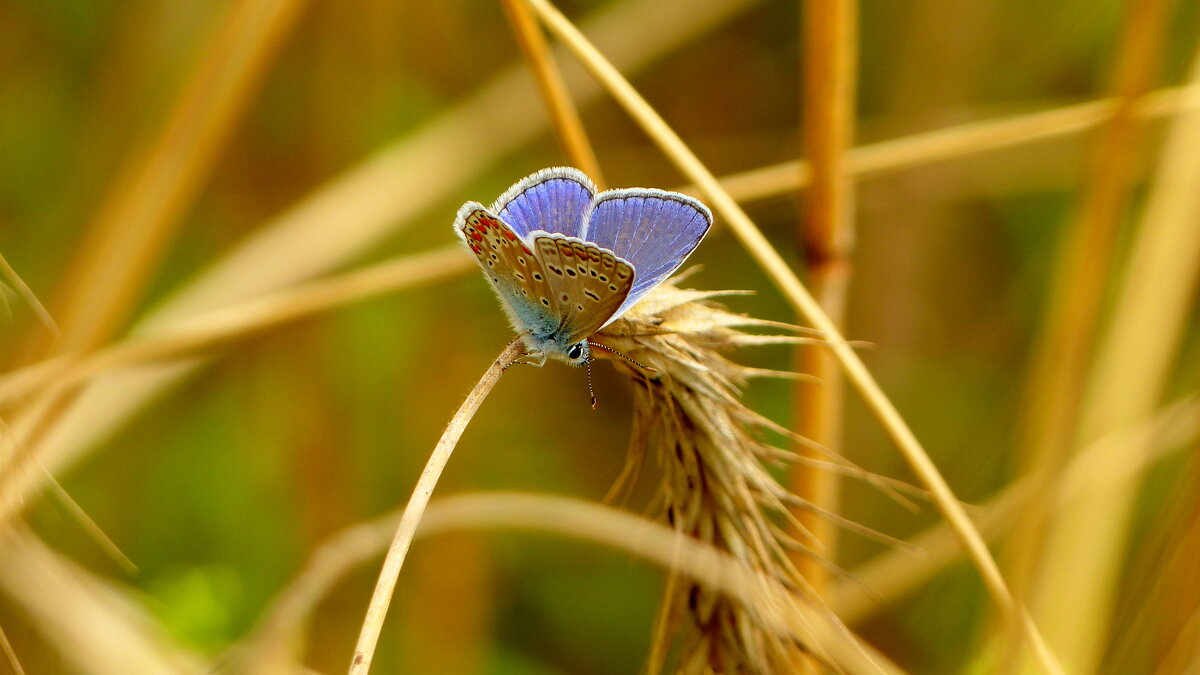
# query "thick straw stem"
(364, 651)
(825, 234)
(799, 297)
(563, 114)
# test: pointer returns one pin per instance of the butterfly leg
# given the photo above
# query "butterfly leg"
(533, 358)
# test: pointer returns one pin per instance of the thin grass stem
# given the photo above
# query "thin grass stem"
(364, 651)
(564, 117)
(29, 296)
(799, 297)
(10, 656)
(957, 142)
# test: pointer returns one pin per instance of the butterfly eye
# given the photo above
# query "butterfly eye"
(575, 352)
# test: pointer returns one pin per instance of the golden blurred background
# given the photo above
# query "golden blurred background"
(166, 159)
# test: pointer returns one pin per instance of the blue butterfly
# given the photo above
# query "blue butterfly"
(567, 261)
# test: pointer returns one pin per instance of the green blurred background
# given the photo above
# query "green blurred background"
(220, 489)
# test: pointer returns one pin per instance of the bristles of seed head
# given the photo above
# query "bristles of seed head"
(689, 416)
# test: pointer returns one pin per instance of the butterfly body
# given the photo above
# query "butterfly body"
(566, 261)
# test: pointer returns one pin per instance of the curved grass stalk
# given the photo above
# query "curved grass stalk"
(566, 517)
(799, 297)
(364, 651)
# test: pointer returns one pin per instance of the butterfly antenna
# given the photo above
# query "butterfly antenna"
(643, 366)
(591, 391)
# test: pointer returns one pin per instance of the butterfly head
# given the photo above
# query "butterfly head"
(575, 354)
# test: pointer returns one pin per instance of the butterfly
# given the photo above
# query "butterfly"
(567, 261)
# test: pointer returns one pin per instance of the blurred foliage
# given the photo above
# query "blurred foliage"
(220, 490)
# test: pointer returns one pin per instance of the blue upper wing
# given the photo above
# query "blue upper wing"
(655, 230)
(552, 200)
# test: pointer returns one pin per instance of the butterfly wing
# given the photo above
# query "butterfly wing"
(515, 272)
(587, 283)
(654, 230)
(551, 200)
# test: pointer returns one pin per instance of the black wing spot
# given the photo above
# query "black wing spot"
(537, 276)
(491, 264)
(579, 307)
(603, 278)
(565, 297)
(521, 260)
(495, 280)
(495, 257)
(545, 302)
(570, 272)
(591, 295)
(611, 287)
(519, 276)
(593, 272)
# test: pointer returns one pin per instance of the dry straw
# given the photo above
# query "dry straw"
(1103, 465)
(273, 643)
(27, 294)
(825, 234)
(1135, 360)
(96, 626)
(348, 214)
(795, 292)
(1064, 347)
(715, 489)
(715, 486)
